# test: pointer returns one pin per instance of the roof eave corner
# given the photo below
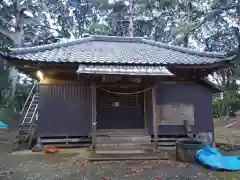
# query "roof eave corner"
(215, 88)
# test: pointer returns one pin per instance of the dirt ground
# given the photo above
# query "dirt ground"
(230, 135)
(227, 135)
(71, 166)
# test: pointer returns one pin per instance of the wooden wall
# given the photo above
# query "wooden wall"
(64, 110)
(186, 94)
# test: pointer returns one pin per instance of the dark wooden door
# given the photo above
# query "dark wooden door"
(119, 110)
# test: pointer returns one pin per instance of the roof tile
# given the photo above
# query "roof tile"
(123, 50)
(129, 70)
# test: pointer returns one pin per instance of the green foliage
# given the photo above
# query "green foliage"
(4, 49)
(227, 105)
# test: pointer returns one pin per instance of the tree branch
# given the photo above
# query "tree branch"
(209, 16)
(5, 21)
(8, 34)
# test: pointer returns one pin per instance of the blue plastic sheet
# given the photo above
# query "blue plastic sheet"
(2, 124)
(212, 158)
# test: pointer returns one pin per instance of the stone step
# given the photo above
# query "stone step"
(122, 132)
(126, 139)
(130, 155)
(70, 145)
(124, 146)
(167, 148)
(166, 143)
(103, 134)
(123, 141)
(120, 151)
(171, 139)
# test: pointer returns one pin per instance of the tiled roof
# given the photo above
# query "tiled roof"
(119, 50)
(129, 70)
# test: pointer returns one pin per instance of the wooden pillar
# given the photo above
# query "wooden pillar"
(94, 113)
(155, 126)
(145, 108)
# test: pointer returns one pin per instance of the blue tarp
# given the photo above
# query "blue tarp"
(212, 158)
(2, 124)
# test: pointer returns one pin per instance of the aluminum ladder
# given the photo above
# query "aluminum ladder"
(30, 112)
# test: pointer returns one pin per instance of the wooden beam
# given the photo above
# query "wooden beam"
(94, 113)
(155, 126)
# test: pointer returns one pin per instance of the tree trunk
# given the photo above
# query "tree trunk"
(13, 74)
(189, 14)
(131, 30)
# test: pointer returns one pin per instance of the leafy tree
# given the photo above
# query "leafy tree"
(17, 19)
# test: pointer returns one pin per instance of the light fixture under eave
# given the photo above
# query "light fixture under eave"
(40, 75)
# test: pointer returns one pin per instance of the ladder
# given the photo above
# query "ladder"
(30, 112)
